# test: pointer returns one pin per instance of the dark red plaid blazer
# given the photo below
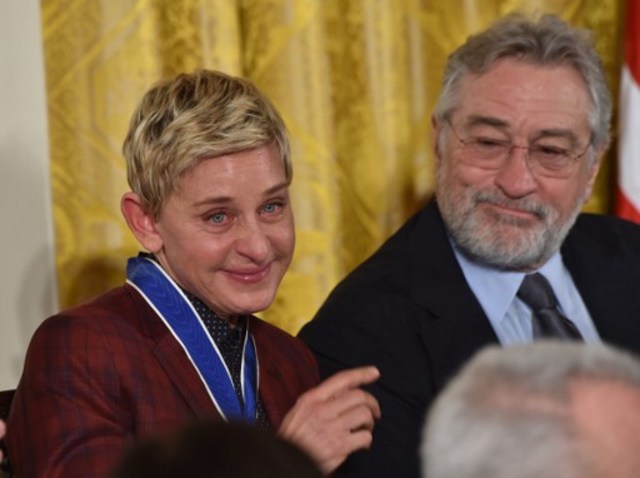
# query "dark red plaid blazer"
(102, 374)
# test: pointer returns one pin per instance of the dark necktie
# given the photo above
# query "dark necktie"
(548, 322)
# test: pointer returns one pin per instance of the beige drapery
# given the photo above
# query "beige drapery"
(354, 79)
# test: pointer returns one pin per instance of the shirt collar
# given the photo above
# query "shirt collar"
(496, 289)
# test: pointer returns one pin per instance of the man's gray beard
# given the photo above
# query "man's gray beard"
(479, 240)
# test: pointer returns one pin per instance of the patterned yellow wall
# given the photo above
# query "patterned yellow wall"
(354, 79)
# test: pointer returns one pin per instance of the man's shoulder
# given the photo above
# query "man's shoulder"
(606, 222)
(387, 282)
(604, 233)
(388, 269)
(382, 290)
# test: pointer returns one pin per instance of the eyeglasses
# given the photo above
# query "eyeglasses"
(543, 159)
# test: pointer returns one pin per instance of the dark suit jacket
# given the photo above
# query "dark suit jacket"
(104, 373)
(409, 310)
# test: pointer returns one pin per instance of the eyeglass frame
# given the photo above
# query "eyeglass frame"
(509, 146)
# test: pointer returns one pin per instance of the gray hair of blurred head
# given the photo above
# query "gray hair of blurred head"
(507, 413)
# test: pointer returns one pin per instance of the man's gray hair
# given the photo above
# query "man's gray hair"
(507, 413)
(548, 41)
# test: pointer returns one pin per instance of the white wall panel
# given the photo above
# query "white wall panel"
(27, 280)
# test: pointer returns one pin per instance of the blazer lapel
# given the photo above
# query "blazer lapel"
(457, 326)
(269, 392)
(273, 386)
(174, 360)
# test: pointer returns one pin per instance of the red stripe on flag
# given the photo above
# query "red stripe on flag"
(625, 209)
(632, 39)
(627, 201)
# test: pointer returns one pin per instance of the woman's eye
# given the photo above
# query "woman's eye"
(271, 208)
(217, 217)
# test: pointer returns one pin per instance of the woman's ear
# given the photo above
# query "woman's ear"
(141, 222)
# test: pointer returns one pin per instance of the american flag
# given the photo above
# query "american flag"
(628, 192)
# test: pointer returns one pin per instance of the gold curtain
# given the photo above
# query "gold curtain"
(355, 80)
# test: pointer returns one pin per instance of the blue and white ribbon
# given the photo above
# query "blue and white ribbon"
(177, 312)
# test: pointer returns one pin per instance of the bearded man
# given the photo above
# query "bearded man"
(502, 254)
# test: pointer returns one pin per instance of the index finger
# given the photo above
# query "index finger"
(347, 379)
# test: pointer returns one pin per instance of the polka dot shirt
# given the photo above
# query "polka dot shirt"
(229, 339)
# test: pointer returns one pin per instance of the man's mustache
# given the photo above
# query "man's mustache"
(528, 205)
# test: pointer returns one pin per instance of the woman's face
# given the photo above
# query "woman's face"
(226, 233)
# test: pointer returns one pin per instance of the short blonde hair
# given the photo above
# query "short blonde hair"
(192, 117)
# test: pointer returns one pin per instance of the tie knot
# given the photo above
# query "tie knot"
(536, 292)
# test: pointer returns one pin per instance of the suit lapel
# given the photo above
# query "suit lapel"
(457, 326)
(173, 359)
(183, 374)
(273, 386)
(270, 376)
